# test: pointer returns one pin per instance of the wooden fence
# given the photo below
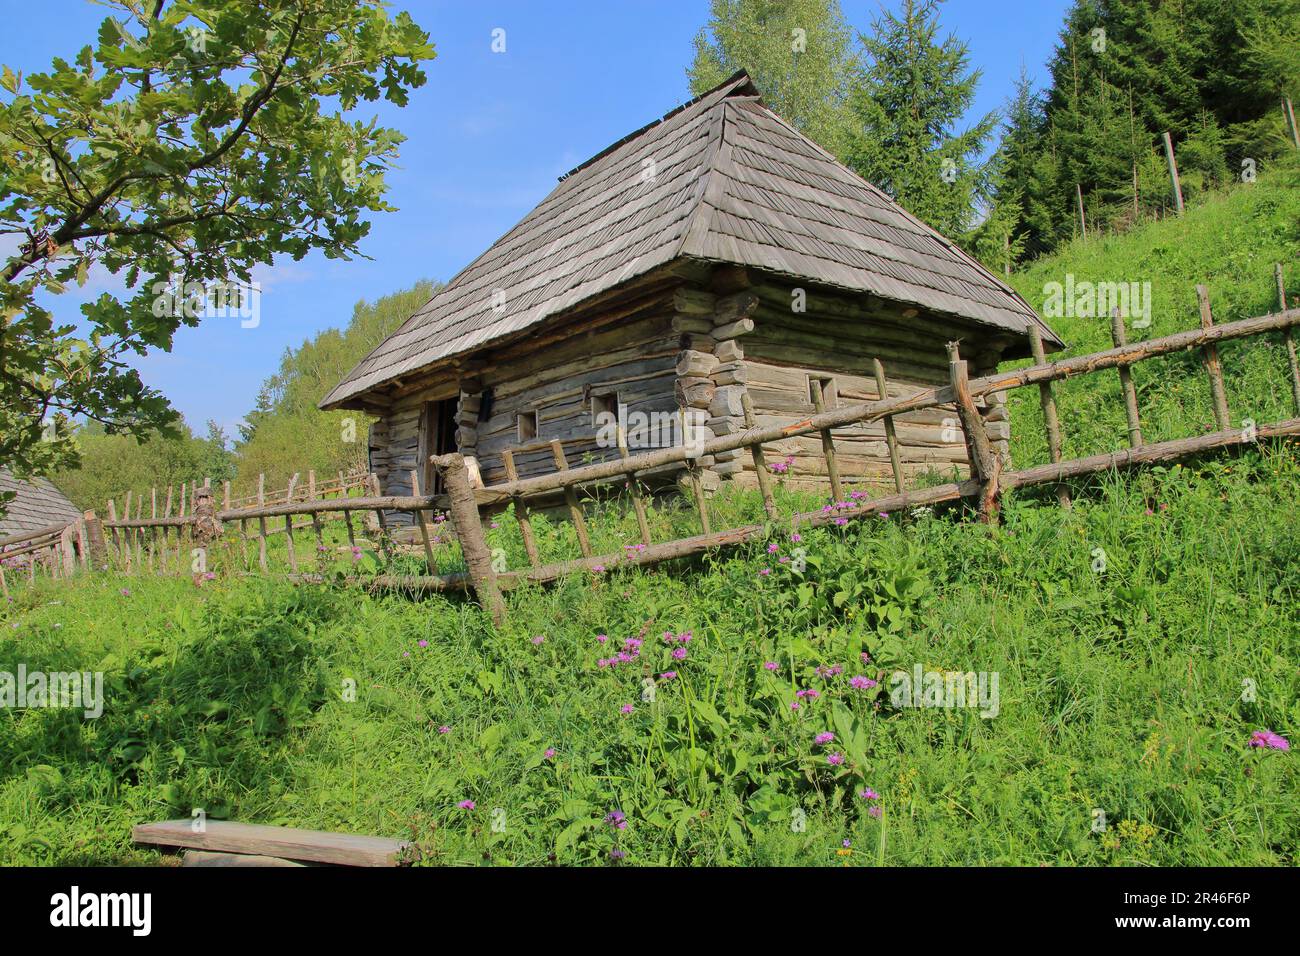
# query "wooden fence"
(463, 500)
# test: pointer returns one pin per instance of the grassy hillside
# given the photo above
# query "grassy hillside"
(1128, 693)
(1229, 242)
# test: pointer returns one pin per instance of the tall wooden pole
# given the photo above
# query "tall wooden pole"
(1289, 338)
(1173, 174)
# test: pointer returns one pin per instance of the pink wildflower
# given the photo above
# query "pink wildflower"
(466, 804)
(835, 758)
(1269, 740)
(824, 738)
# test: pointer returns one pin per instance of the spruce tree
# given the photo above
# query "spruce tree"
(913, 91)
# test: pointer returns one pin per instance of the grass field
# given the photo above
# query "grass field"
(1138, 640)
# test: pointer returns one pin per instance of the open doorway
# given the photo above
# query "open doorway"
(437, 437)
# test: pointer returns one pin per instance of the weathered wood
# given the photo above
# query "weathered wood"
(261, 521)
(1173, 173)
(985, 466)
(422, 520)
(1213, 368)
(1148, 454)
(1126, 380)
(733, 330)
(288, 528)
(1293, 361)
(634, 488)
(314, 846)
(521, 511)
(381, 520)
(891, 435)
(1047, 401)
(316, 528)
(828, 441)
(571, 499)
(469, 531)
(760, 463)
(209, 859)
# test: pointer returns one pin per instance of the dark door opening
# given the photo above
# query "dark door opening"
(438, 437)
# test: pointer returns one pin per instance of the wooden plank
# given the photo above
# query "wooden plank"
(315, 846)
(261, 535)
(208, 858)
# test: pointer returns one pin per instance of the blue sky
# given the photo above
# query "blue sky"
(487, 136)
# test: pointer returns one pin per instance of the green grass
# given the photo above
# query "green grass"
(1131, 690)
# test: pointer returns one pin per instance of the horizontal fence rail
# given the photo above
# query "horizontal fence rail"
(134, 541)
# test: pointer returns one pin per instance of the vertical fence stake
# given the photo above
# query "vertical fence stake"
(521, 509)
(1289, 338)
(1173, 173)
(1126, 381)
(828, 441)
(316, 528)
(571, 499)
(760, 463)
(1213, 367)
(891, 435)
(380, 518)
(261, 522)
(288, 528)
(985, 466)
(422, 522)
(1050, 420)
(469, 531)
(634, 488)
(113, 532)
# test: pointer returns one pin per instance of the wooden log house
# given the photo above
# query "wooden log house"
(713, 255)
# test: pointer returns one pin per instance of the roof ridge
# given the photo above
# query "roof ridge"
(738, 80)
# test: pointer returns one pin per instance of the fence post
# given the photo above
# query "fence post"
(1051, 422)
(891, 434)
(1288, 338)
(521, 511)
(1213, 367)
(1126, 381)
(469, 531)
(1173, 173)
(828, 441)
(95, 545)
(760, 463)
(985, 466)
(571, 499)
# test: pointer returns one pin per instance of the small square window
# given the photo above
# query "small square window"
(602, 408)
(526, 423)
(830, 394)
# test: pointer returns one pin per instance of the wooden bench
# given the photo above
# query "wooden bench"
(223, 843)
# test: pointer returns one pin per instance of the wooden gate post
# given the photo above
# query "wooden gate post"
(469, 531)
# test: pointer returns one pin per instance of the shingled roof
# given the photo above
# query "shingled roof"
(723, 179)
(38, 505)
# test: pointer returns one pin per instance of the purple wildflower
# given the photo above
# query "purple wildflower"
(1269, 740)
